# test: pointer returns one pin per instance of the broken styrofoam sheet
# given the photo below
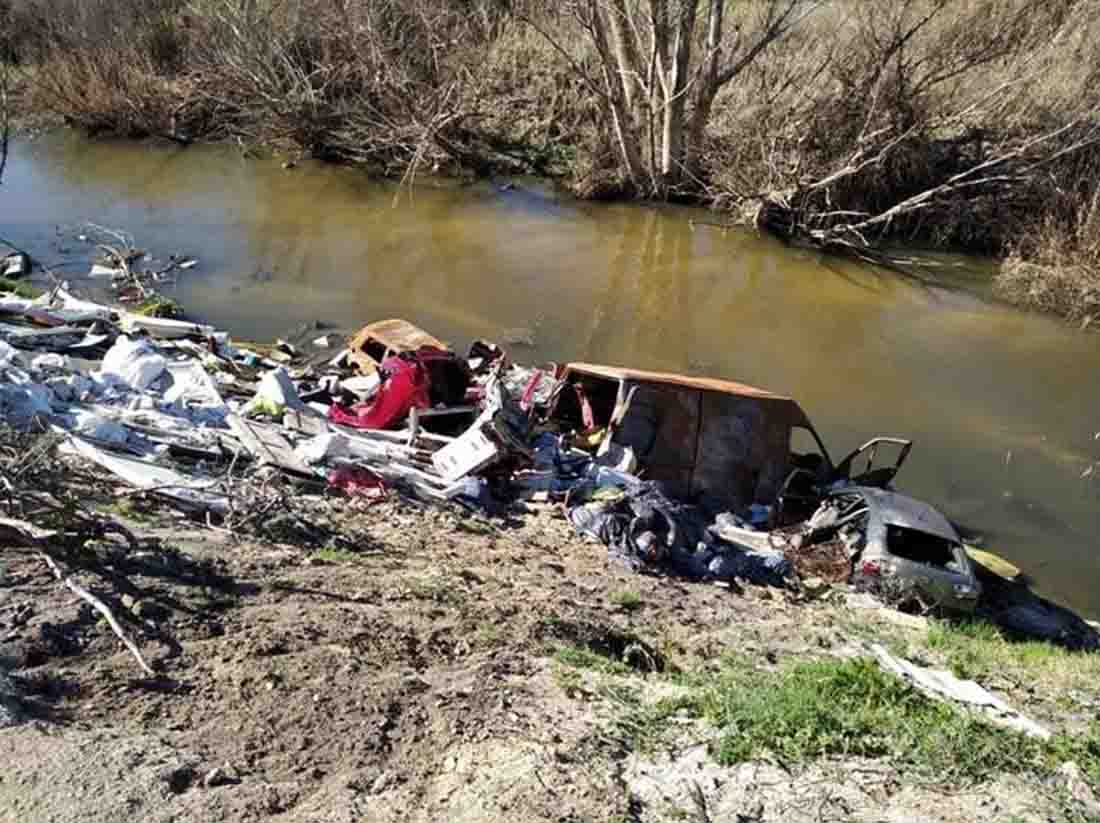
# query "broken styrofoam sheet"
(15, 265)
(362, 387)
(98, 428)
(10, 304)
(163, 327)
(327, 447)
(189, 492)
(725, 528)
(51, 362)
(99, 270)
(149, 420)
(424, 485)
(942, 685)
(65, 300)
(9, 355)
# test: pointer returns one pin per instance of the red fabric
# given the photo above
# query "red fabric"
(587, 416)
(529, 392)
(404, 389)
(358, 482)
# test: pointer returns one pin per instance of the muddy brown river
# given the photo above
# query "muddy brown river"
(1004, 406)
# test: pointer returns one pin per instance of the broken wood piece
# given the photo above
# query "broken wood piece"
(305, 421)
(268, 445)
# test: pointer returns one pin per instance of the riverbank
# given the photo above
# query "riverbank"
(844, 126)
(316, 656)
(323, 248)
(463, 667)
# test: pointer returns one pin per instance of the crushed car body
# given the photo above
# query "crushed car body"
(376, 342)
(900, 547)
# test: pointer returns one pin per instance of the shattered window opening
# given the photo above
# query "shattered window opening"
(919, 547)
(374, 350)
(805, 450)
(602, 395)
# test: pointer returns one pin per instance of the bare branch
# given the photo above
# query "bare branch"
(102, 608)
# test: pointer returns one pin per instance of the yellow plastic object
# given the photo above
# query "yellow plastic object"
(994, 563)
(590, 440)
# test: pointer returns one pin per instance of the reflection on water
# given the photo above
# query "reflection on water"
(1001, 403)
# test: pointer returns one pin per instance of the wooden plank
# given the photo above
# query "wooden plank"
(305, 421)
(268, 445)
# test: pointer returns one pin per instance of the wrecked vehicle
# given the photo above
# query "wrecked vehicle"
(899, 547)
(377, 342)
(723, 444)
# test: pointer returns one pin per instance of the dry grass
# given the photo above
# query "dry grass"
(1056, 266)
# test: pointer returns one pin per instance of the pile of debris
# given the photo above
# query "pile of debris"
(215, 428)
(695, 477)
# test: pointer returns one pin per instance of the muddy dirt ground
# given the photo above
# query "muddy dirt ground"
(412, 680)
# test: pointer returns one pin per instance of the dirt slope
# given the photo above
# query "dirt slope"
(414, 681)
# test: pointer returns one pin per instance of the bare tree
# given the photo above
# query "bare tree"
(950, 118)
(660, 65)
(5, 115)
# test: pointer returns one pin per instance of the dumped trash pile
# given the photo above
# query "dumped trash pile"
(694, 477)
(238, 435)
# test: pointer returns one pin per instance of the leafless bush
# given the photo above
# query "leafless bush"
(383, 81)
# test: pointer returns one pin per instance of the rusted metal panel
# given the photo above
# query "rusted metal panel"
(704, 383)
(662, 426)
(388, 337)
(702, 437)
(744, 448)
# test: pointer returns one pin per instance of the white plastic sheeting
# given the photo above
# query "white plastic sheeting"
(134, 362)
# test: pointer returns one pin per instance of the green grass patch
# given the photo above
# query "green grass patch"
(19, 288)
(978, 650)
(628, 601)
(334, 555)
(158, 305)
(582, 657)
(851, 708)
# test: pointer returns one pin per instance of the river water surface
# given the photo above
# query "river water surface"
(1004, 406)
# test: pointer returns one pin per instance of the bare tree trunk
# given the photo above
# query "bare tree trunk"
(626, 52)
(779, 17)
(5, 117)
(708, 84)
(622, 120)
(675, 102)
